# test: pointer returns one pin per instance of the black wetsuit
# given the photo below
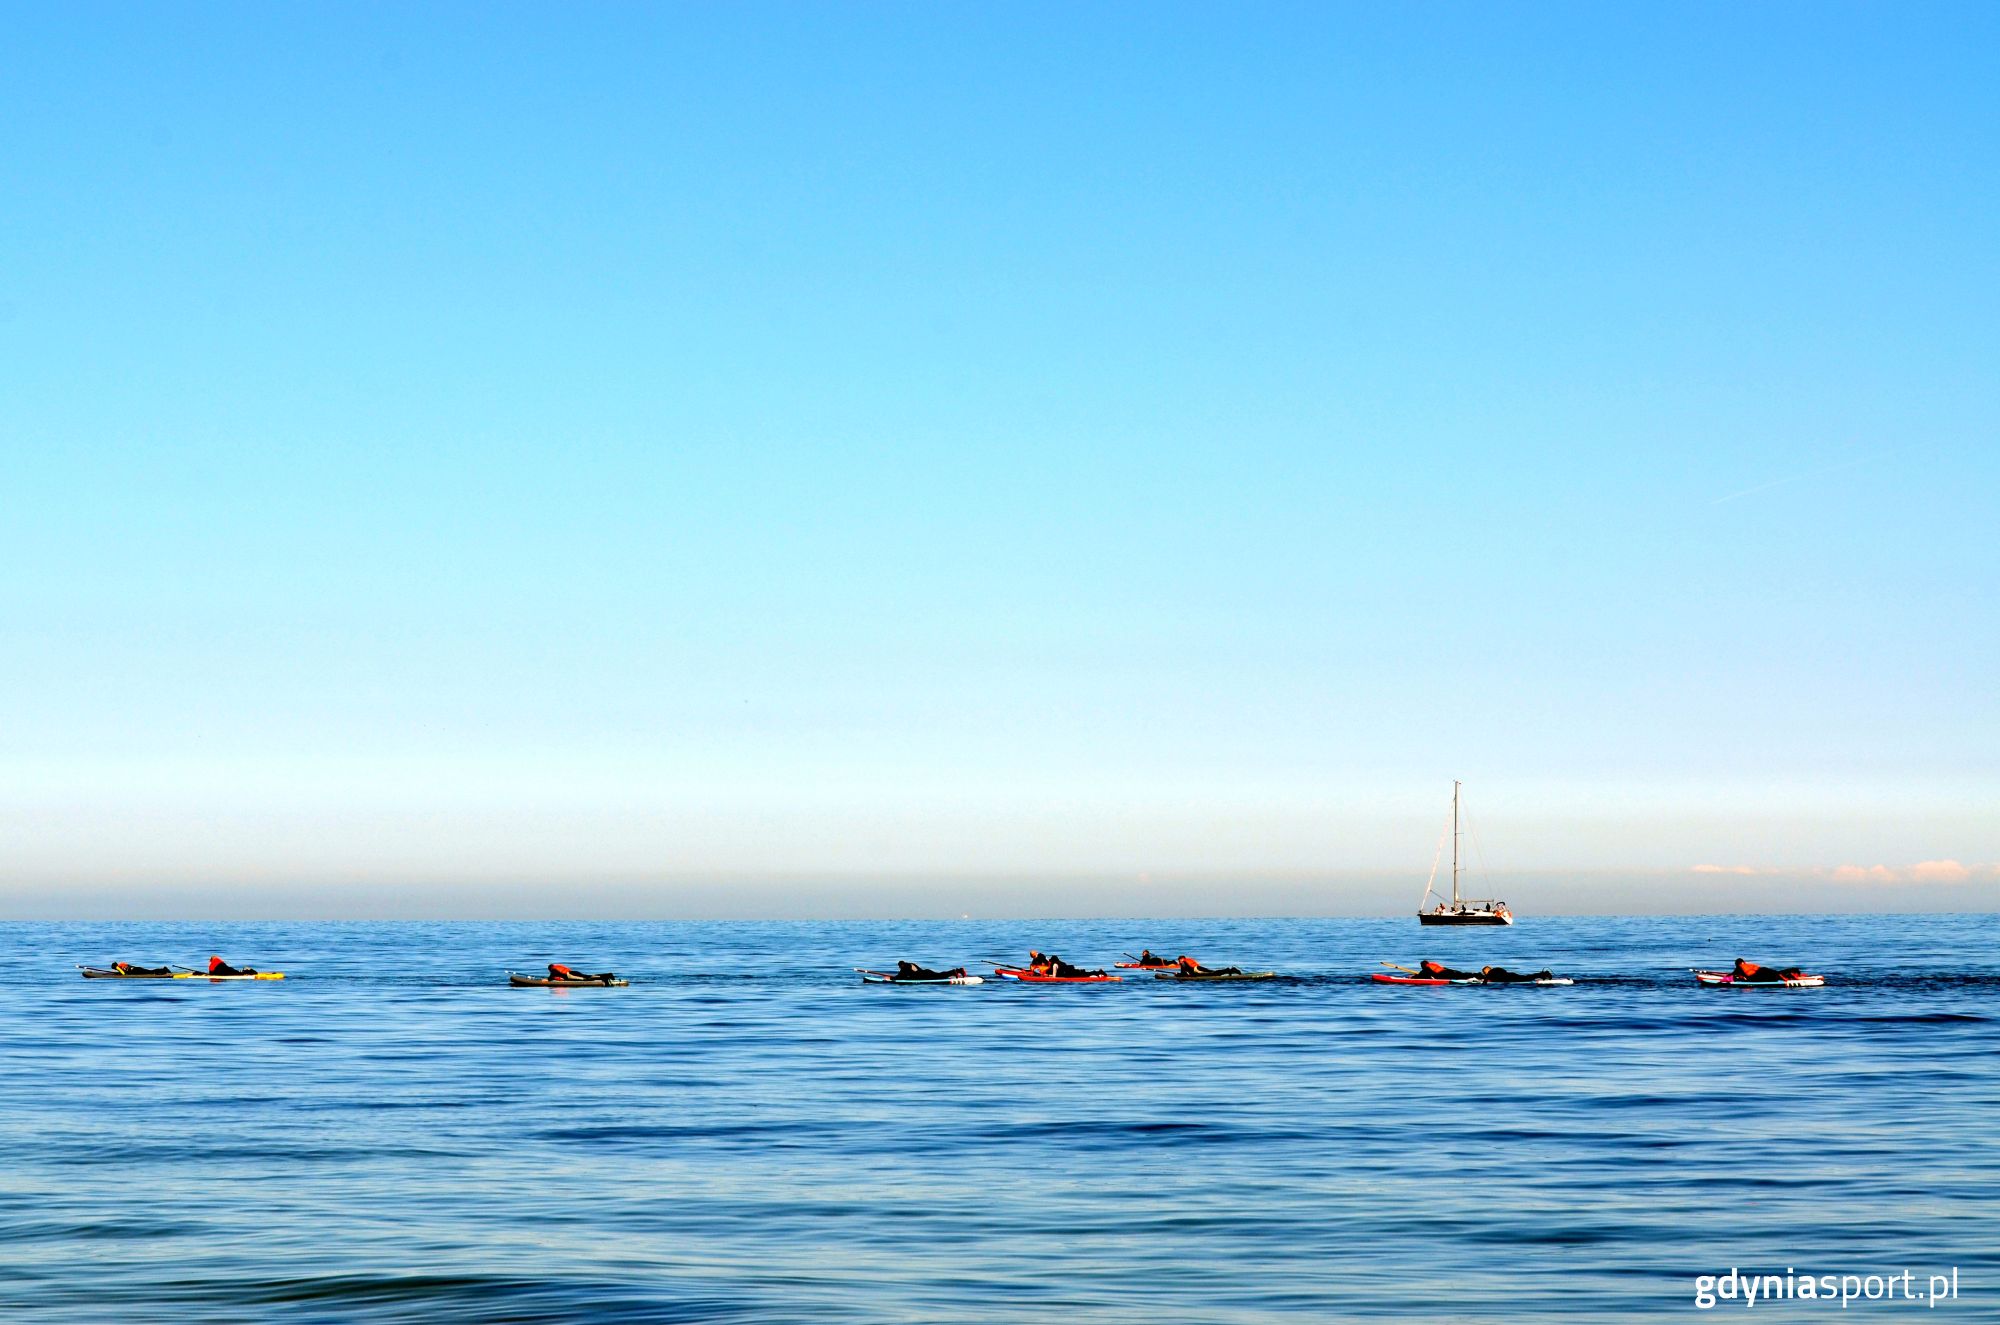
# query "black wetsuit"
(1500, 975)
(1063, 970)
(224, 968)
(1444, 973)
(912, 971)
(127, 968)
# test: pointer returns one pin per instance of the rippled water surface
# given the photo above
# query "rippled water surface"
(748, 1133)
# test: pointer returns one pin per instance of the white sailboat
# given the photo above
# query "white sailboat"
(1459, 910)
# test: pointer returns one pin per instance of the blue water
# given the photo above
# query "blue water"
(750, 1134)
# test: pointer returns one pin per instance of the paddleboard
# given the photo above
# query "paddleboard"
(1717, 978)
(1144, 966)
(1030, 978)
(891, 978)
(106, 973)
(1233, 975)
(543, 982)
(1496, 984)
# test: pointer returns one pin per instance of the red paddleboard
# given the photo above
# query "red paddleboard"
(1030, 978)
(1407, 980)
(1801, 981)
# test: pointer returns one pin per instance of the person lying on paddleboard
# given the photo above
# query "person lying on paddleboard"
(217, 966)
(912, 971)
(1147, 957)
(557, 971)
(1500, 975)
(1050, 964)
(1431, 970)
(1189, 966)
(1750, 973)
(127, 968)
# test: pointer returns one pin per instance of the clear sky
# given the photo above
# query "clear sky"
(484, 443)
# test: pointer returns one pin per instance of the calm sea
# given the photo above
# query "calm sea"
(750, 1134)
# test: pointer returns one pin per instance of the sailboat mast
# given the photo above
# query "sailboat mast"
(1454, 842)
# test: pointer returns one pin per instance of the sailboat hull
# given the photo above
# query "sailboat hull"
(1464, 918)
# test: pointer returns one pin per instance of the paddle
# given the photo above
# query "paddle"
(1411, 969)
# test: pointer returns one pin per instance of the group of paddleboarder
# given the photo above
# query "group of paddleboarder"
(1745, 972)
(1043, 966)
(1491, 975)
(1048, 967)
(218, 969)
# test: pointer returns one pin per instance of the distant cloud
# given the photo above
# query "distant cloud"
(1727, 869)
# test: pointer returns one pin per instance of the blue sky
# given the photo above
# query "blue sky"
(465, 443)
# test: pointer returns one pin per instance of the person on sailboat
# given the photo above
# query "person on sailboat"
(1500, 975)
(1431, 970)
(1750, 973)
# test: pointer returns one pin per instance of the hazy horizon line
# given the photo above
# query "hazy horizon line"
(928, 920)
